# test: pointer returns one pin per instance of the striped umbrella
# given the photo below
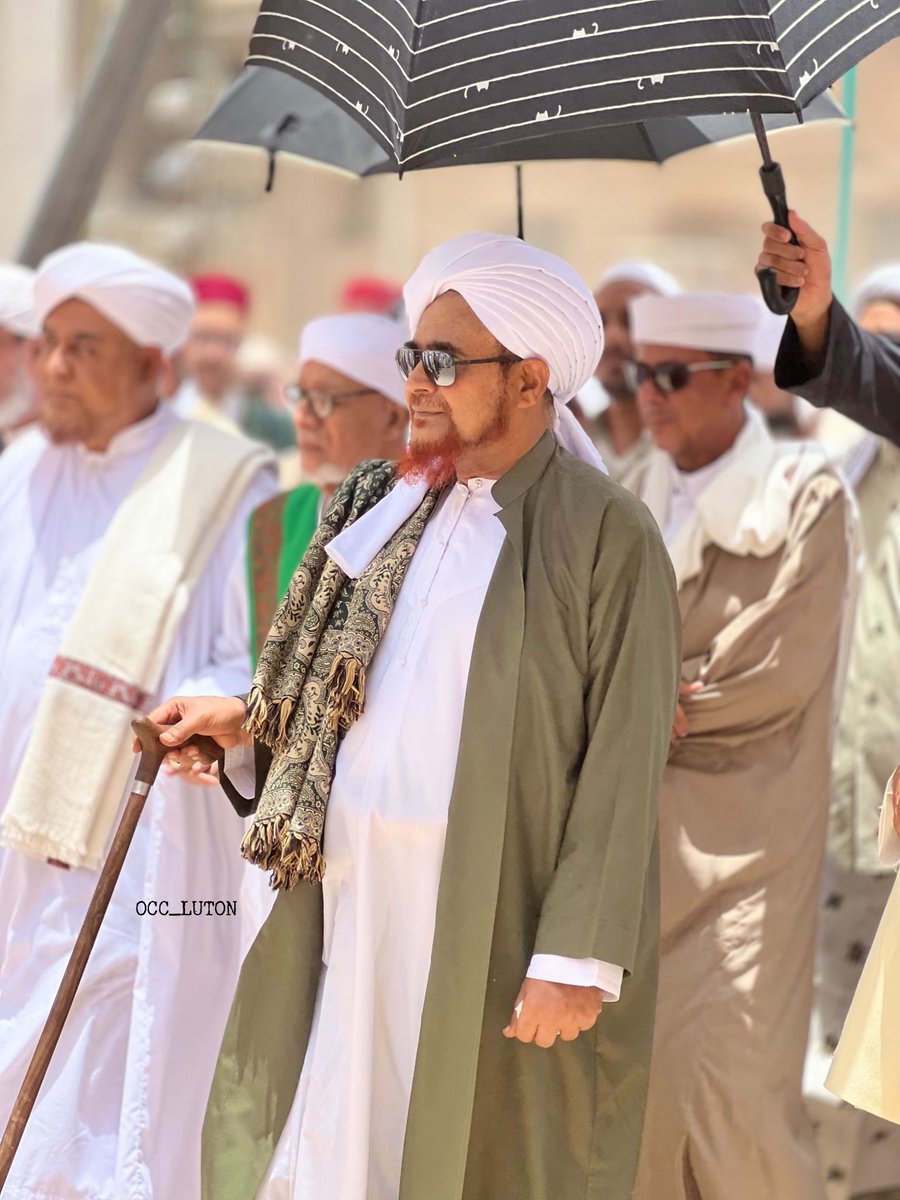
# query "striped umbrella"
(433, 78)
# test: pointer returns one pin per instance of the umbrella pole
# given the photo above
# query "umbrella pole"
(152, 755)
(779, 300)
(520, 208)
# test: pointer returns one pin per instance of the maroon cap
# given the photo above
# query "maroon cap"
(221, 289)
(368, 293)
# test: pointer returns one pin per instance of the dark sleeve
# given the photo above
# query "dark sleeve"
(859, 375)
(245, 806)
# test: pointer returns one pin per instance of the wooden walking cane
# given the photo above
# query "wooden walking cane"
(152, 754)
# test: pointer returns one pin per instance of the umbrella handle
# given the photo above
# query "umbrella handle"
(779, 300)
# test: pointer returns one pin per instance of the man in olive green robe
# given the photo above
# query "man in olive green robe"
(760, 538)
(489, 848)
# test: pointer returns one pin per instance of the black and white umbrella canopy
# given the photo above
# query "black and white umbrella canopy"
(279, 113)
(438, 79)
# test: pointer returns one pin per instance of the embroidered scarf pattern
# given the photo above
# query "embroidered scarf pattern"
(309, 685)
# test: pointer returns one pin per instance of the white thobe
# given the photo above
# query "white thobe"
(383, 846)
(119, 1115)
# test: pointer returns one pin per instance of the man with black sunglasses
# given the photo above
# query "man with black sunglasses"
(460, 718)
(758, 533)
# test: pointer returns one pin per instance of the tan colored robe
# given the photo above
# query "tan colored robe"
(743, 812)
(551, 848)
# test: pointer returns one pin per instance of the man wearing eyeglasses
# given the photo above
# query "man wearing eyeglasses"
(349, 406)
(461, 715)
(758, 534)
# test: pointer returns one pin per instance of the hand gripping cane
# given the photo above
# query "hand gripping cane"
(152, 755)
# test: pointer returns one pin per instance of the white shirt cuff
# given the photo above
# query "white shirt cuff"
(240, 768)
(580, 972)
(888, 838)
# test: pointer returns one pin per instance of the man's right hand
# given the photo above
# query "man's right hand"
(219, 717)
(807, 267)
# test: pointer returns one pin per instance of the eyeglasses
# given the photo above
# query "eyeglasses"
(320, 403)
(670, 376)
(440, 365)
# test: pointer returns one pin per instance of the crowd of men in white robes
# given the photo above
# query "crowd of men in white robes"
(145, 543)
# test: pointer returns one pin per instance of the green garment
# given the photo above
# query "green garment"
(280, 531)
(551, 848)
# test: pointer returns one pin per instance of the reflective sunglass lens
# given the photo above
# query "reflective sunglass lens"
(439, 367)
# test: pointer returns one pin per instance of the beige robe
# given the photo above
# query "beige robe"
(743, 812)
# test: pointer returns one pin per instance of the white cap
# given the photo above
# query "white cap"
(646, 274)
(150, 305)
(17, 313)
(768, 336)
(719, 322)
(362, 346)
(881, 284)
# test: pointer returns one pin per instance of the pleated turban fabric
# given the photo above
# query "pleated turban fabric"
(17, 313)
(361, 345)
(150, 305)
(533, 302)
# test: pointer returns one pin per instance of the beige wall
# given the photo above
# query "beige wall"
(36, 85)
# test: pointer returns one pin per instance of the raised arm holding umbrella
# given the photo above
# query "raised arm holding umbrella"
(825, 356)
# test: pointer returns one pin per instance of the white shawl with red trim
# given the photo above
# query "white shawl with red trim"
(69, 787)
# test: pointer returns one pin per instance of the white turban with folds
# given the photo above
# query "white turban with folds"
(645, 274)
(17, 313)
(881, 284)
(151, 306)
(533, 303)
(361, 345)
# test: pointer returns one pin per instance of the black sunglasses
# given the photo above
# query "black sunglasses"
(440, 365)
(669, 376)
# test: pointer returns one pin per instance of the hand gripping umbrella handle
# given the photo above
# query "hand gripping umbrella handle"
(152, 754)
(780, 300)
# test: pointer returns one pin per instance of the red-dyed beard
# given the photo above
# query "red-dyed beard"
(435, 462)
(432, 462)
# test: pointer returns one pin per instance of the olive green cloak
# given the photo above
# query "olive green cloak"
(551, 848)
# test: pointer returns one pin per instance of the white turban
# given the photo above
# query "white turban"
(17, 313)
(361, 345)
(647, 274)
(768, 336)
(151, 306)
(721, 323)
(533, 303)
(880, 284)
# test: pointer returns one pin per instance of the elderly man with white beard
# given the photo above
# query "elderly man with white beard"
(122, 542)
(460, 720)
(349, 406)
(18, 328)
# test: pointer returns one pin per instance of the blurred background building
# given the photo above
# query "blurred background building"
(202, 207)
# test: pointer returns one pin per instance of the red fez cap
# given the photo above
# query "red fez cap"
(368, 293)
(223, 289)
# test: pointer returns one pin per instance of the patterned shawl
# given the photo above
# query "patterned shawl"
(309, 685)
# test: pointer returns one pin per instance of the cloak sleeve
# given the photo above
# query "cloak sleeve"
(860, 376)
(595, 902)
(245, 806)
(765, 666)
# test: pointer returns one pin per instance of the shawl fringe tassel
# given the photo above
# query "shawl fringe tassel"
(272, 845)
